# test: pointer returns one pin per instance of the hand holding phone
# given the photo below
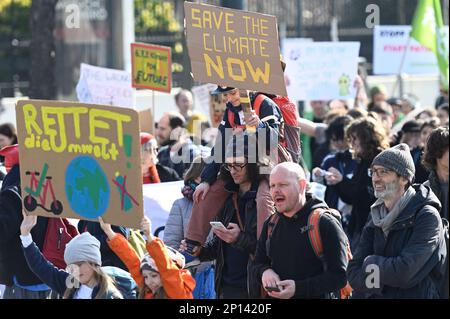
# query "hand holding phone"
(271, 289)
(217, 225)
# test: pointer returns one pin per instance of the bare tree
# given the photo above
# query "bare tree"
(42, 73)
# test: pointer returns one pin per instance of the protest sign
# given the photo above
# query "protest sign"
(389, 45)
(234, 48)
(158, 201)
(321, 70)
(146, 121)
(202, 98)
(151, 65)
(104, 86)
(80, 161)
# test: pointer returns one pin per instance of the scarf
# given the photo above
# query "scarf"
(385, 219)
(152, 177)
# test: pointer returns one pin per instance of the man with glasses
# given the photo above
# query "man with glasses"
(401, 252)
(234, 245)
(210, 196)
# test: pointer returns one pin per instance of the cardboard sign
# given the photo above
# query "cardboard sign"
(321, 70)
(389, 45)
(146, 123)
(80, 161)
(152, 68)
(104, 86)
(234, 48)
(202, 97)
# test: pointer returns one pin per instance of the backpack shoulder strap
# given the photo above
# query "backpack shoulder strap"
(257, 103)
(273, 220)
(230, 116)
(314, 232)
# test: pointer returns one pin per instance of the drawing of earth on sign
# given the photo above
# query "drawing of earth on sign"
(87, 188)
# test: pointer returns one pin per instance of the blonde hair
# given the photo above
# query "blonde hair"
(104, 282)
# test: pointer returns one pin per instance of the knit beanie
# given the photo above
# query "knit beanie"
(397, 159)
(84, 247)
(242, 145)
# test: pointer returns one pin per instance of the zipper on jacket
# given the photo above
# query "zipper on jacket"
(60, 231)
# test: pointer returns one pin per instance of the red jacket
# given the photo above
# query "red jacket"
(177, 283)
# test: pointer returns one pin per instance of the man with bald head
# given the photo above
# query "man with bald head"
(285, 260)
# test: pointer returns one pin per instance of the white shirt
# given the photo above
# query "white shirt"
(85, 292)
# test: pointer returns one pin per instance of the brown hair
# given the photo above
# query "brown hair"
(104, 282)
(196, 168)
(9, 130)
(437, 145)
(371, 134)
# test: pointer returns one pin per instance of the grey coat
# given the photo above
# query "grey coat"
(411, 258)
(176, 225)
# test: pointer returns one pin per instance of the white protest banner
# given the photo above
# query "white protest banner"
(320, 70)
(389, 44)
(105, 86)
(202, 98)
(158, 200)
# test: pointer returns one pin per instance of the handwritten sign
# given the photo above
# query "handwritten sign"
(234, 48)
(321, 70)
(389, 45)
(104, 86)
(151, 65)
(80, 161)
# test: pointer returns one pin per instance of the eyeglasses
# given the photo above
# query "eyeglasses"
(380, 172)
(236, 167)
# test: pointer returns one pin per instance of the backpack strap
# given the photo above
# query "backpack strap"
(273, 220)
(230, 116)
(257, 103)
(314, 232)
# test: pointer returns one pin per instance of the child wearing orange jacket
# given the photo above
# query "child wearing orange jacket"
(160, 274)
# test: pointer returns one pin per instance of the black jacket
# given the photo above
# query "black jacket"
(12, 260)
(409, 260)
(358, 191)
(246, 242)
(292, 257)
(167, 174)
(109, 258)
(269, 113)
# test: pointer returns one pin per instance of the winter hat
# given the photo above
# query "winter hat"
(84, 247)
(238, 146)
(147, 138)
(148, 263)
(397, 159)
(11, 154)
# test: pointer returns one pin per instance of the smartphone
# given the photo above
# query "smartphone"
(217, 225)
(324, 173)
(270, 289)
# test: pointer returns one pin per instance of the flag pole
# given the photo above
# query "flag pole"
(153, 111)
(400, 69)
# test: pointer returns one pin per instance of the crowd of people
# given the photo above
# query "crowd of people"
(379, 231)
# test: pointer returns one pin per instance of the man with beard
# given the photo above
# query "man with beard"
(176, 149)
(401, 252)
(286, 264)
